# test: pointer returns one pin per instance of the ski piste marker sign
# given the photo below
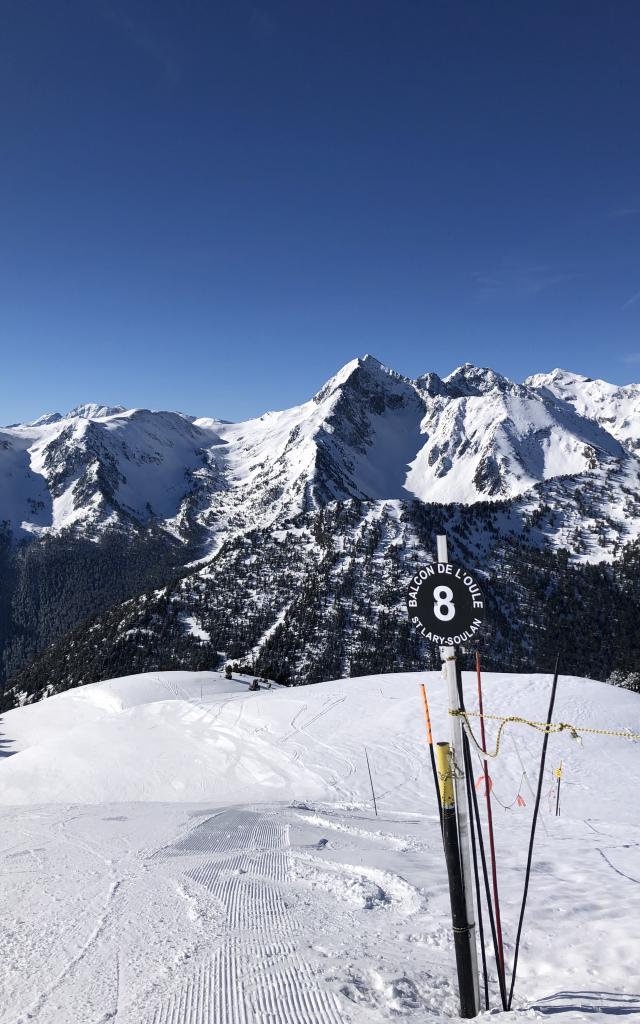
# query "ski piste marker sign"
(445, 604)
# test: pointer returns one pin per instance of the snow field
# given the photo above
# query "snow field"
(245, 877)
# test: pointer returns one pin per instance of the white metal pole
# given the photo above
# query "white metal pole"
(448, 655)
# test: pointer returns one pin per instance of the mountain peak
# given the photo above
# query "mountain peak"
(367, 365)
(45, 419)
(469, 381)
(558, 377)
(94, 411)
(431, 384)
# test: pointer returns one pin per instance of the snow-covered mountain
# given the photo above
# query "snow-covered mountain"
(98, 466)
(487, 437)
(614, 407)
(369, 433)
(284, 542)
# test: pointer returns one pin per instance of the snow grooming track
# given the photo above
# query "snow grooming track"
(221, 833)
(223, 992)
(250, 905)
(256, 975)
(272, 864)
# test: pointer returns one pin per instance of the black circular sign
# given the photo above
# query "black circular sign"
(445, 604)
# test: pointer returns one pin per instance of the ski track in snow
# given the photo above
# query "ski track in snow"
(256, 974)
(283, 899)
(41, 999)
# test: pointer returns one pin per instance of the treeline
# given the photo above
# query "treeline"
(50, 586)
(323, 597)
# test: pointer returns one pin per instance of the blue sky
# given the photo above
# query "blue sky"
(211, 206)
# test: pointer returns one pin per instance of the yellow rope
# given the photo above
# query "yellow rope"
(574, 730)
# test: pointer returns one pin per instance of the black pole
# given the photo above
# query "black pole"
(474, 812)
(558, 798)
(533, 831)
(472, 833)
(485, 875)
(461, 929)
(478, 898)
(375, 806)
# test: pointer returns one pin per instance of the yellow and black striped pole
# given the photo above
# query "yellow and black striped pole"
(558, 774)
(461, 930)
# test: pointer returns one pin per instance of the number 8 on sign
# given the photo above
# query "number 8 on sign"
(445, 603)
(443, 606)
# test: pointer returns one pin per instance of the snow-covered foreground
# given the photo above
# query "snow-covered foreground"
(174, 849)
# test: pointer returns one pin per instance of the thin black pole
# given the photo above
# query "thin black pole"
(533, 831)
(435, 782)
(474, 809)
(487, 796)
(478, 899)
(485, 875)
(375, 806)
(474, 852)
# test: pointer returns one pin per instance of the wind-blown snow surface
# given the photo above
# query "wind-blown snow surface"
(175, 848)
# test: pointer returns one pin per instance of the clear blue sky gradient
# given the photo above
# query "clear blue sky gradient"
(211, 205)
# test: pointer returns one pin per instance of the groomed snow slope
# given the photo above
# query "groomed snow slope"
(175, 848)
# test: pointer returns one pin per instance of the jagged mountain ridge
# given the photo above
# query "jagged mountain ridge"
(369, 433)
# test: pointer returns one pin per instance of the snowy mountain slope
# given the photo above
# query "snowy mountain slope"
(489, 438)
(369, 433)
(97, 703)
(228, 901)
(97, 467)
(324, 594)
(25, 500)
(616, 408)
(154, 495)
(355, 438)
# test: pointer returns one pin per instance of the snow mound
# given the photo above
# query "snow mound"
(193, 736)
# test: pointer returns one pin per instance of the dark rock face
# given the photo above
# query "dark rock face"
(488, 476)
